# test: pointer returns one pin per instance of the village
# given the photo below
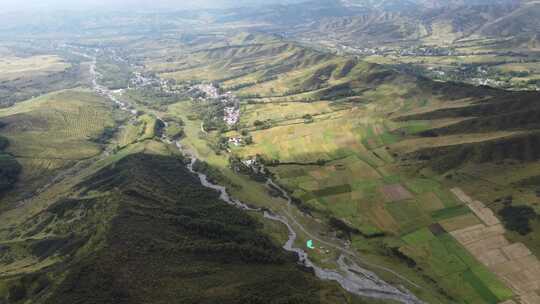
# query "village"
(230, 103)
(228, 100)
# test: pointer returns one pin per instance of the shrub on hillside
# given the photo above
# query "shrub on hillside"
(4, 143)
(518, 218)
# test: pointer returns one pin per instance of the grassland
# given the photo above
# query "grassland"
(54, 131)
(25, 75)
(17, 67)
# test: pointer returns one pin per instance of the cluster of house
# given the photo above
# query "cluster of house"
(232, 115)
(409, 51)
(236, 141)
(210, 91)
(488, 82)
(232, 109)
(139, 80)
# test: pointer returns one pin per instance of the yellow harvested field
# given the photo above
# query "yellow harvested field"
(430, 202)
(481, 247)
(14, 67)
(493, 257)
(516, 251)
(530, 298)
(513, 263)
(533, 67)
(283, 111)
(459, 222)
(473, 234)
(485, 214)
(304, 143)
(394, 193)
(462, 196)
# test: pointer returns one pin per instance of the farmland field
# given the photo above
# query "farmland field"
(346, 155)
(14, 67)
(346, 171)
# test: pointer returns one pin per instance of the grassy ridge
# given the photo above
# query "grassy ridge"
(22, 78)
(9, 167)
(52, 132)
(149, 232)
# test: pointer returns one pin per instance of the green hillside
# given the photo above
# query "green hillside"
(146, 231)
(376, 151)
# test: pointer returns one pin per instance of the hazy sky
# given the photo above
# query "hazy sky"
(83, 4)
(11, 5)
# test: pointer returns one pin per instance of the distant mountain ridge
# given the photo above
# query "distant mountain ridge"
(368, 23)
(422, 3)
(358, 23)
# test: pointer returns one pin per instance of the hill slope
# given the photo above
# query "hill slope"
(144, 230)
(373, 152)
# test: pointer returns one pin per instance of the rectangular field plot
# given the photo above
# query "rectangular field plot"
(283, 111)
(429, 201)
(394, 193)
(422, 185)
(356, 169)
(420, 236)
(445, 259)
(340, 189)
(479, 287)
(459, 222)
(291, 173)
(408, 215)
(377, 134)
(327, 139)
(451, 212)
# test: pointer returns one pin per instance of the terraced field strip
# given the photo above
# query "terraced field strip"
(513, 263)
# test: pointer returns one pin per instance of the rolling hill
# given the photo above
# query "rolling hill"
(377, 151)
(429, 187)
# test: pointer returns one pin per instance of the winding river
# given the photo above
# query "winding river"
(350, 275)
